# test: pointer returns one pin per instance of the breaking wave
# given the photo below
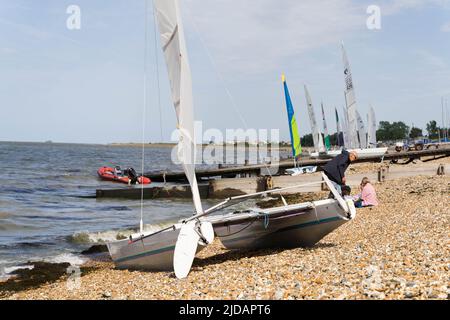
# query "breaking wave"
(113, 235)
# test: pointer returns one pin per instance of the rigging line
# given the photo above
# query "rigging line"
(216, 69)
(221, 78)
(157, 75)
(144, 114)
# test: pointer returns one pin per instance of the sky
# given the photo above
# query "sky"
(87, 85)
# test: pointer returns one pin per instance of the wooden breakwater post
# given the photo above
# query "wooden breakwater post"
(382, 173)
(441, 170)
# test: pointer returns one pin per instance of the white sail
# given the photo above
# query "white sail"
(339, 132)
(174, 48)
(361, 131)
(372, 130)
(345, 128)
(317, 136)
(327, 141)
(350, 103)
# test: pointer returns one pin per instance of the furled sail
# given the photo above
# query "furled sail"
(339, 132)
(361, 131)
(351, 103)
(325, 131)
(293, 128)
(372, 130)
(317, 136)
(174, 47)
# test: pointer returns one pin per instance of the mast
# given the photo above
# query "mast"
(173, 44)
(292, 122)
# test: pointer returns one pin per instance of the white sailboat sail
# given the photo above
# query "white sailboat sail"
(345, 128)
(327, 141)
(317, 136)
(372, 130)
(361, 131)
(339, 132)
(174, 48)
(351, 103)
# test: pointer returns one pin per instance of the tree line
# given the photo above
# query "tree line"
(388, 131)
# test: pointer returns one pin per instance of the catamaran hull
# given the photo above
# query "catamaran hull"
(299, 225)
(302, 227)
(153, 253)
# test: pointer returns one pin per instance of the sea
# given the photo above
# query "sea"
(48, 209)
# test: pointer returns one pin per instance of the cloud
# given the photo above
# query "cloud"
(445, 27)
(257, 35)
(431, 59)
(395, 6)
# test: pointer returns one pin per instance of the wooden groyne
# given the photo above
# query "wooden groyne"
(280, 167)
(227, 187)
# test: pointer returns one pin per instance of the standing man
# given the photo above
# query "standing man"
(335, 168)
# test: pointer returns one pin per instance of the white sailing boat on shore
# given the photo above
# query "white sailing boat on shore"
(174, 247)
(355, 136)
(319, 147)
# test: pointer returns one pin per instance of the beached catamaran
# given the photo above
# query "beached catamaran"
(174, 247)
(295, 137)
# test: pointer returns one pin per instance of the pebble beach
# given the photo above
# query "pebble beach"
(397, 250)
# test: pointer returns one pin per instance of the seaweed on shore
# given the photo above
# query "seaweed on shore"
(41, 273)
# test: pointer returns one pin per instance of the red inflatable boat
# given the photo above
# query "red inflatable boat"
(127, 176)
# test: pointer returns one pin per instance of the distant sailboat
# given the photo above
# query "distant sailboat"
(372, 130)
(345, 128)
(292, 122)
(361, 131)
(354, 133)
(319, 147)
(350, 101)
(295, 137)
(325, 131)
(339, 132)
(357, 139)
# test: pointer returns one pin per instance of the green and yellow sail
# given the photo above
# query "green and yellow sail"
(293, 128)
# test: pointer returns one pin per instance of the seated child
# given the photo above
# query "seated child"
(346, 191)
(367, 197)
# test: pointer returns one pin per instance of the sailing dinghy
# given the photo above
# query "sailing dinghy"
(174, 247)
(357, 140)
(354, 133)
(295, 137)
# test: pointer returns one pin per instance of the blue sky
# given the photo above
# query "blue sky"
(87, 85)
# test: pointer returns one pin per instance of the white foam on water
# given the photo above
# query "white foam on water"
(71, 258)
(113, 235)
(9, 270)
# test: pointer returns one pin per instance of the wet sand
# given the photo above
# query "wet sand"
(397, 250)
